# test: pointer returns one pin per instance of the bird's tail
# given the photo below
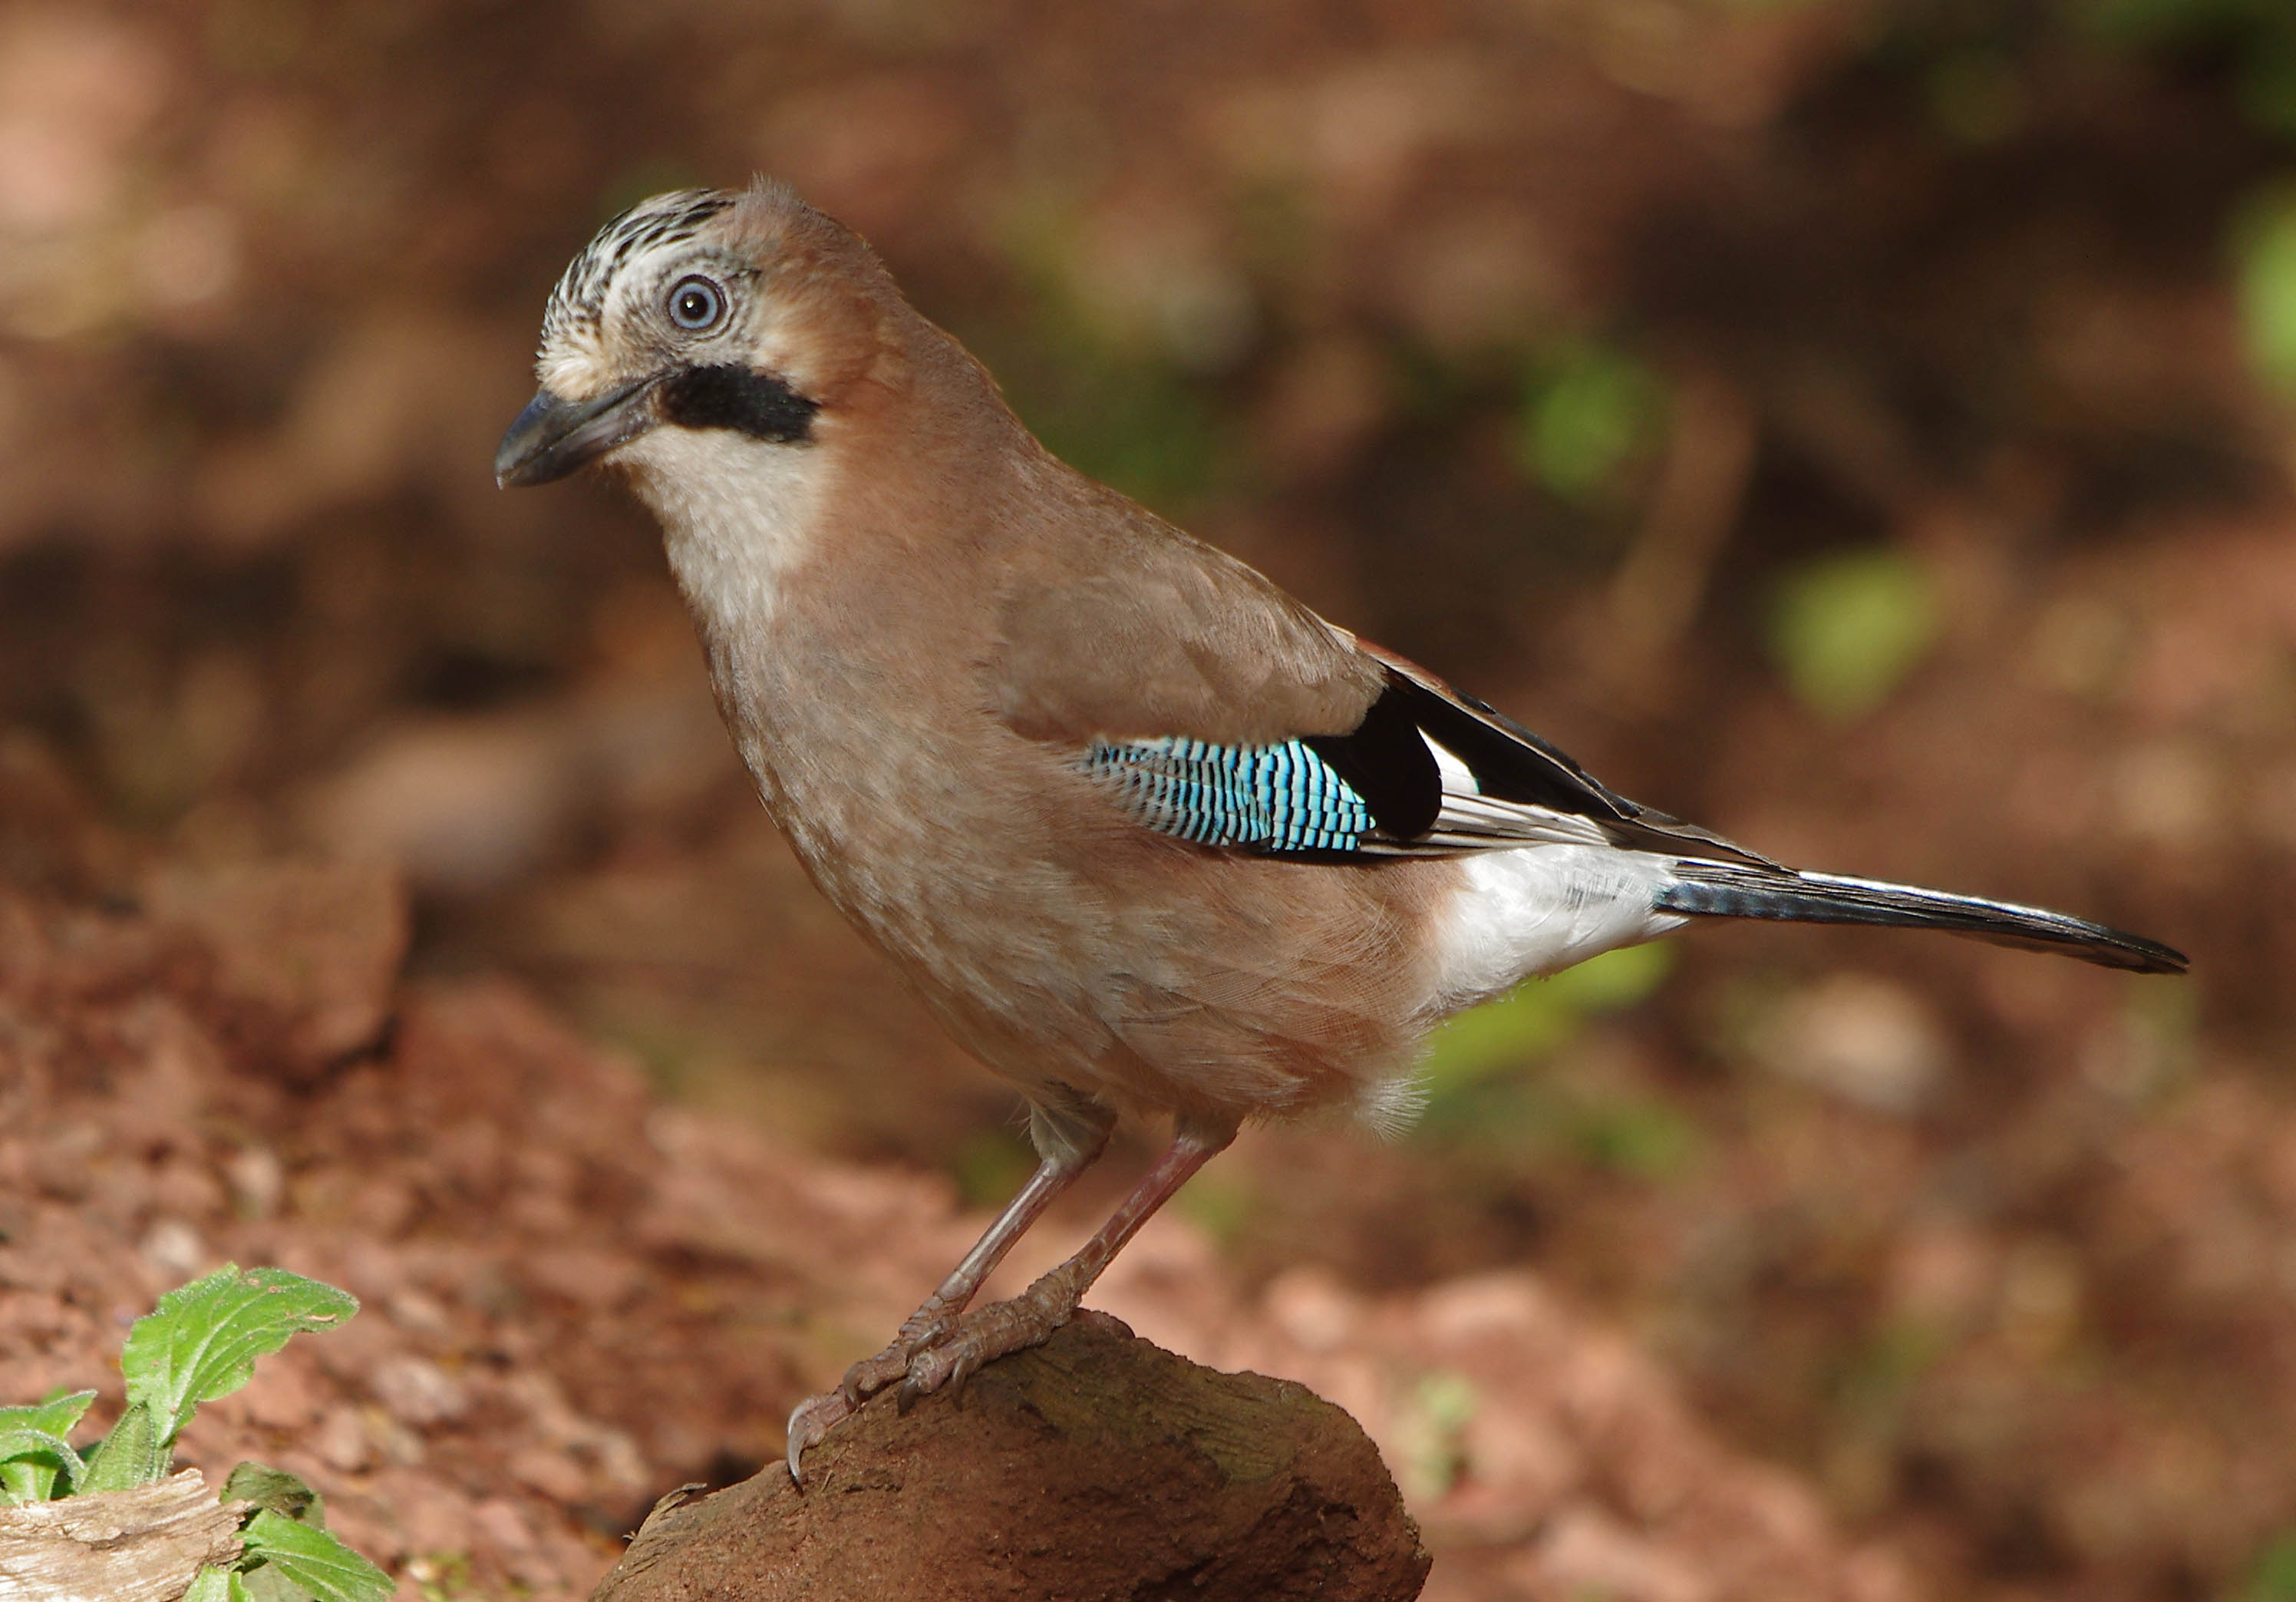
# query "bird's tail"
(1732, 890)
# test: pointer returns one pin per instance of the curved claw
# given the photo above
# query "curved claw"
(814, 1418)
(917, 1384)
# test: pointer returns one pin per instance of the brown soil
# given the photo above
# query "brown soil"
(578, 1297)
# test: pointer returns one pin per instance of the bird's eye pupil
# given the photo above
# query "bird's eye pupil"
(696, 304)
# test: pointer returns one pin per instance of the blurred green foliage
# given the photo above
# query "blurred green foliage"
(1540, 1015)
(1128, 420)
(2265, 249)
(2254, 39)
(657, 175)
(1111, 400)
(1846, 629)
(2268, 91)
(1432, 1452)
(1557, 1119)
(1127, 417)
(1877, 1377)
(1480, 1091)
(1976, 96)
(990, 1167)
(1219, 1201)
(1637, 1135)
(1589, 411)
(2155, 1052)
(2271, 1576)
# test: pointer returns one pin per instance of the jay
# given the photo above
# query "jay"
(1147, 834)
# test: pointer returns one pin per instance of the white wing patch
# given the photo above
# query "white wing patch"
(1471, 821)
(1458, 778)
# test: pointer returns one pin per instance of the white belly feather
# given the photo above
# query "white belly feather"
(1538, 908)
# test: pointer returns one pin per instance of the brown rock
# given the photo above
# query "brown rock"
(1096, 1466)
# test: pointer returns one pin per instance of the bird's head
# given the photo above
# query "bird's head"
(742, 313)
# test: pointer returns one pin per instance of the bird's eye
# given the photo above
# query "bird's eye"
(696, 304)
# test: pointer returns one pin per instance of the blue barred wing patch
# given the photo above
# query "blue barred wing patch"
(1268, 798)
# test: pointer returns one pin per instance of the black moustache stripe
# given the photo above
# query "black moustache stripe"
(739, 398)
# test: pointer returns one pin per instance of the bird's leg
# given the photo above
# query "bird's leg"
(932, 1319)
(1029, 1318)
(1071, 1141)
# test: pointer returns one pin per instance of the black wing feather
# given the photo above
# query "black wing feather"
(1388, 761)
(1385, 760)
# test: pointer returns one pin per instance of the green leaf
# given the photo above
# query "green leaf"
(202, 1340)
(313, 1559)
(267, 1584)
(133, 1454)
(33, 1450)
(275, 1489)
(58, 1416)
(1848, 629)
(31, 1461)
(212, 1584)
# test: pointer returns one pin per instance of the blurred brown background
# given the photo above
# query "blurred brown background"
(1862, 427)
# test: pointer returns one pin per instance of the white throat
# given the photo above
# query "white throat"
(738, 515)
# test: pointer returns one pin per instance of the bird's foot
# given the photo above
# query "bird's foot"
(935, 1348)
(921, 1329)
(816, 1416)
(986, 1333)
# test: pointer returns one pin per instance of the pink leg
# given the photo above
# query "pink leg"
(817, 1415)
(1031, 1316)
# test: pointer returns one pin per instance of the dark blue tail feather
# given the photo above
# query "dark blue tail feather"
(1737, 891)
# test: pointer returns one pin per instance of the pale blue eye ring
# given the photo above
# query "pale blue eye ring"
(696, 305)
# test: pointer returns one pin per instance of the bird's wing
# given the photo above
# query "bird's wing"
(1497, 784)
(1213, 707)
(1180, 640)
(1225, 713)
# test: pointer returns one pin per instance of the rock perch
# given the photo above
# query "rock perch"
(1096, 1466)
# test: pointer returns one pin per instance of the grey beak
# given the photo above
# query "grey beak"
(553, 437)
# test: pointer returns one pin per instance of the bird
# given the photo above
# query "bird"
(1148, 837)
